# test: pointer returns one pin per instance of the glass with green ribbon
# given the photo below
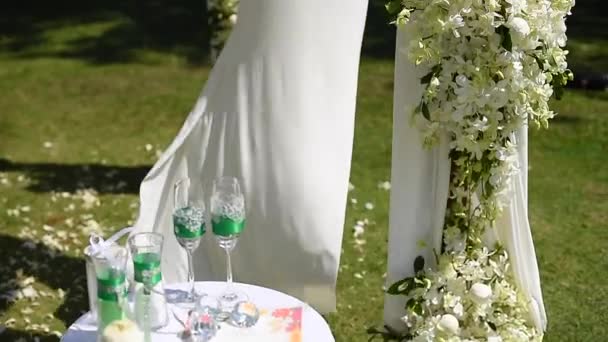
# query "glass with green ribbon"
(228, 223)
(187, 224)
(110, 269)
(189, 217)
(146, 267)
(150, 303)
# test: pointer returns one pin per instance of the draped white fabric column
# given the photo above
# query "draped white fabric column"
(419, 184)
(420, 181)
(513, 231)
(278, 113)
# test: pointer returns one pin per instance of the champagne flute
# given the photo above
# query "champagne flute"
(189, 227)
(228, 222)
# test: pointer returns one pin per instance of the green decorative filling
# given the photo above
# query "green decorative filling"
(147, 268)
(182, 231)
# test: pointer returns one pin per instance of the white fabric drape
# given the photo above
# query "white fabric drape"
(419, 185)
(278, 113)
(420, 181)
(513, 231)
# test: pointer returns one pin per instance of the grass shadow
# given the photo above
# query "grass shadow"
(178, 26)
(166, 26)
(379, 37)
(104, 179)
(50, 267)
(566, 119)
(12, 335)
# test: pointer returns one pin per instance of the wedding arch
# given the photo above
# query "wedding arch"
(490, 69)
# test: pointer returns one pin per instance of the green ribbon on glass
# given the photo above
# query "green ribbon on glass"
(109, 288)
(225, 226)
(182, 231)
(146, 268)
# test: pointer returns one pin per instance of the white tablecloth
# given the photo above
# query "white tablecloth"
(314, 328)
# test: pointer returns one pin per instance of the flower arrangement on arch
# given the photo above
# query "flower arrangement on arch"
(493, 66)
(222, 15)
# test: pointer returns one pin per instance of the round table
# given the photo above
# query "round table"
(313, 327)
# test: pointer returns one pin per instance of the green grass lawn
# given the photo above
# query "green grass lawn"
(87, 103)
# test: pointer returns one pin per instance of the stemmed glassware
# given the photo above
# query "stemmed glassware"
(228, 222)
(189, 219)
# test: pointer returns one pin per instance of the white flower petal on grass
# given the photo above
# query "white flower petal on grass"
(386, 185)
(148, 147)
(351, 187)
(47, 144)
(358, 275)
(111, 173)
(369, 206)
(121, 185)
(10, 322)
(48, 228)
(29, 245)
(27, 311)
(358, 231)
(25, 208)
(353, 201)
(27, 281)
(29, 293)
(89, 198)
(360, 242)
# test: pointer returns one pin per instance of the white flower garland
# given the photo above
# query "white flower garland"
(494, 65)
(222, 15)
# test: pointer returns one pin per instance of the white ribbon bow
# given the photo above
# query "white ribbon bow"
(99, 245)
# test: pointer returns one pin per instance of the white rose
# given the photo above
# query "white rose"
(122, 331)
(232, 19)
(448, 323)
(494, 339)
(519, 25)
(481, 292)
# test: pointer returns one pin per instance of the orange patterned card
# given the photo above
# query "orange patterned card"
(287, 320)
(277, 325)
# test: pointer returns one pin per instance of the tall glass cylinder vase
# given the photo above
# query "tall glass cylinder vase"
(110, 265)
(150, 303)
